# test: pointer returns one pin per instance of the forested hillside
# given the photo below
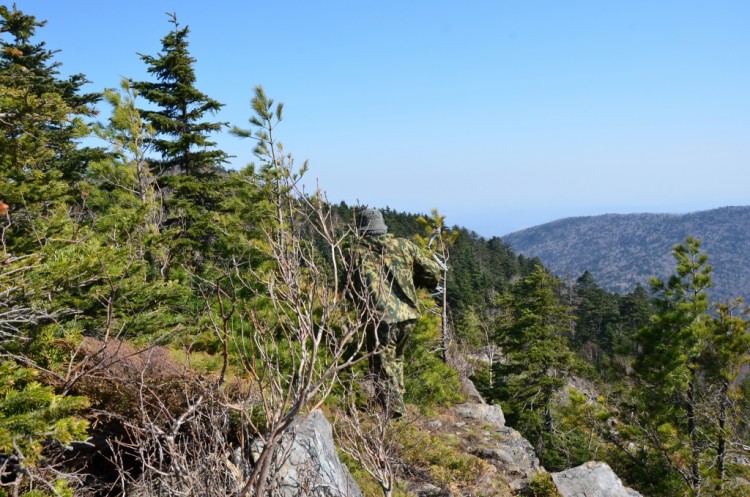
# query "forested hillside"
(621, 251)
(165, 322)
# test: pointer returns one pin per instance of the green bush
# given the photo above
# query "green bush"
(541, 486)
(428, 380)
(32, 416)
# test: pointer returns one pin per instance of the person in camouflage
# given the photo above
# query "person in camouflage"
(387, 272)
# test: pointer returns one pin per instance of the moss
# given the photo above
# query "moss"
(541, 486)
(441, 456)
(367, 484)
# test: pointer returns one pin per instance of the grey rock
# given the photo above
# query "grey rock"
(504, 448)
(429, 490)
(740, 459)
(492, 414)
(591, 479)
(519, 484)
(435, 424)
(470, 391)
(496, 454)
(465, 370)
(306, 463)
(517, 454)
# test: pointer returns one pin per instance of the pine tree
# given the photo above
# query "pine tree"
(99, 275)
(182, 137)
(669, 362)
(728, 354)
(41, 117)
(126, 238)
(32, 416)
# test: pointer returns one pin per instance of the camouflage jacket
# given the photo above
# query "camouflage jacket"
(388, 270)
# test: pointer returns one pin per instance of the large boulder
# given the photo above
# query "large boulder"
(306, 462)
(591, 479)
(487, 413)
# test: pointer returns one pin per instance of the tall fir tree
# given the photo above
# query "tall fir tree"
(533, 335)
(42, 116)
(182, 137)
(188, 166)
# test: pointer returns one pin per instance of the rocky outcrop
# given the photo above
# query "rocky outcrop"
(499, 445)
(307, 463)
(592, 479)
(512, 461)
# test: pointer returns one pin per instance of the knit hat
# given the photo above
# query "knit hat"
(370, 222)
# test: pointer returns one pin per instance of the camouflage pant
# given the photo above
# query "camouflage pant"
(387, 363)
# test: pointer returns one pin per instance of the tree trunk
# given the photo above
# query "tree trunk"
(721, 453)
(444, 317)
(695, 471)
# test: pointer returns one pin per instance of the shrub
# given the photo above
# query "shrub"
(428, 380)
(541, 486)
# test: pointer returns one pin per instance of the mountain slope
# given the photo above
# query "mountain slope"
(621, 250)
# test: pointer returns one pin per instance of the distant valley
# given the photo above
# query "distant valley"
(622, 250)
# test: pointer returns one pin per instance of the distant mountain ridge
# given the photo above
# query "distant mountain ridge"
(622, 250)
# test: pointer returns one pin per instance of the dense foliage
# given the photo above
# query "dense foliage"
(158, 313)
(655, 385)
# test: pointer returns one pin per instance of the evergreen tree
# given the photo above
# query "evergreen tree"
(182, 137)
(42, 118)
(401, 224)
(636, 309)
(727, 355)
(99, 275)
(40, 168)
(669, 365)
(127, 241)
(533, 334)
(480, 269)
(188, 167)
(468, 282)
(30, 68)
(598, 317)
(32, 416)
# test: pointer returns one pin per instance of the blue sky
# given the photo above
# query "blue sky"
(501, 114)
